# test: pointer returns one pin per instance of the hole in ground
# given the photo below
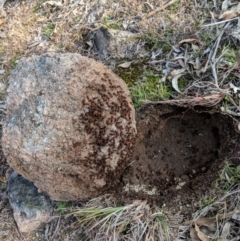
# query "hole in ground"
(178, 154)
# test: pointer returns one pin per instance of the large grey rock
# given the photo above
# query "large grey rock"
(70, 125)
(31, 209)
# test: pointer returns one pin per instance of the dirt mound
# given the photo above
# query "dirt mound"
(178, 152)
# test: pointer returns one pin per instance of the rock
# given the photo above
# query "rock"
(127, 45)
(70, 125)
(101, 41)
(31, 209)
(117, 44)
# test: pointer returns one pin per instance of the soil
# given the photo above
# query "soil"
(178, 154)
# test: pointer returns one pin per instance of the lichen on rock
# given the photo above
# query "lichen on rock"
(70, 125)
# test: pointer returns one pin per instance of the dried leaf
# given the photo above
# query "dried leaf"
(180, 61)
(57, 3)
(232, 13)
(228, 15)
(230, 112)
(235, 88)
(236, 216)
(209, 232)
(125, 24)
(193, 235)
(177, 72)
(202, 236)
(225, 231)
(195, 47)
(2, 88)
(208, 221)
(3, 179)
(1, 21)
(175, 82)
(188, 40)
(163, 79)
(225, 5)
(238, 8)
(2, 3)
(125, 65)
(196, 65)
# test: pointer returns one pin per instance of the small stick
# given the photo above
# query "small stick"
(160, 9)
(213, 57)
(216, 23)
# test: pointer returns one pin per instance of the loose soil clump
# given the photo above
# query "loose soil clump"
(178, 153)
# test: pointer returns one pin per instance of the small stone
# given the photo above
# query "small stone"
(31, 210)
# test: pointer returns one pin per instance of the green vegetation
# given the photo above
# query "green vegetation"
(49, 29)
(130, 75)
(153, 43)
(206, 201)
(37, 8)
(62, 206)
(161, 221)
(13, 60)
(109, 23)
(149, 89)
(124, 221)
(207, 38)
(229, 177)
(229, 55)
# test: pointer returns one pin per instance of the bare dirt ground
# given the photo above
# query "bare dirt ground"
(180, 151)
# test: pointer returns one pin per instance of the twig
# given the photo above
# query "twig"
(160, 9)
(212, 56)
(224, 21)
(225, 75)
(207, 101)
(56, 230)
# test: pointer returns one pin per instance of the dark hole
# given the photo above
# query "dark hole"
(186, 149)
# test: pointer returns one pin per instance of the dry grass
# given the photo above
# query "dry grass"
(206, 65)
(217, 221)
(136, 221)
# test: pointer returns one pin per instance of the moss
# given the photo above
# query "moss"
(37, 8)
(184, 81)
(207, 38)
(153, 43)
(49, 29)
(62, 206)
(229, 55)
(173, 8)
(149, 89)
(109, 23)
(144, 83)
(131, 74)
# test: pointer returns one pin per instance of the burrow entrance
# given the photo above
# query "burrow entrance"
(178, 153)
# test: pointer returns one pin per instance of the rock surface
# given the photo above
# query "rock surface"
(31, 209)
(70, 125)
